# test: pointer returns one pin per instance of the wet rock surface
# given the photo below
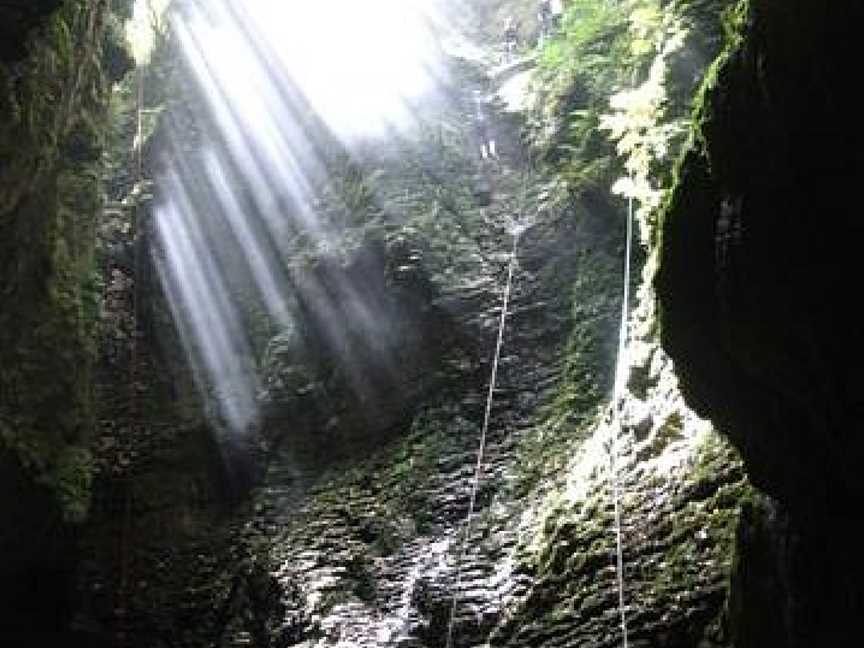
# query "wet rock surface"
(375, 550)
(356, 532)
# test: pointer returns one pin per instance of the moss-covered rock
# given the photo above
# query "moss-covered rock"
(52, 104)
(757, 266)
(746, 282)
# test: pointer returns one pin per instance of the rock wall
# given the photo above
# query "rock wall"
(369, 552)
(54, 86)
(18, 18)
(758, 267)
(355, 534)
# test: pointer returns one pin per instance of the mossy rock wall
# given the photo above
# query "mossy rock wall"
(757, 281)
(344, 550)
(759, 253)
(53, 97)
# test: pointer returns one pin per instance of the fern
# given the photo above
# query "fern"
(638, 126)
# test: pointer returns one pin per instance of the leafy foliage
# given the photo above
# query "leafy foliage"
(639, 123)
(599, 47)
(630, 69)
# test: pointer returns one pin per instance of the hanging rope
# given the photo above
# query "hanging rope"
(617, 395)
(478, 469)
(516, 227)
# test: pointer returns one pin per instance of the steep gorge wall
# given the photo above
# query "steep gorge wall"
(360, 545)
(55, 76)
(757, 288)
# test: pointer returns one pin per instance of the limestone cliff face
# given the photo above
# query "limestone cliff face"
(355, 533)
(757, 290)
(371, 550)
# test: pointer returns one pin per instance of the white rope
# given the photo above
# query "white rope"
(478, 469)
(515, 229)
(617, 395)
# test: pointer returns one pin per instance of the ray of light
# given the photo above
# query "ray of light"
(285, 88)
(215, 340)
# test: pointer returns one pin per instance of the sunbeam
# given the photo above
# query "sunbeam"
(360, 67)
(281, 87)
(360, 64)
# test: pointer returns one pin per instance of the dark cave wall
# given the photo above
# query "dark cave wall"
(758, 252)
(55, 74)
(17, 18)
(756, 288)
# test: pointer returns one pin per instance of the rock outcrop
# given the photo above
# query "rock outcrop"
(54, 87)
(756, 286)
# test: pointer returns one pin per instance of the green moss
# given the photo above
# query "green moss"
(578, 70)
(704, 519)
(416, 463)
(359, 571)
(51, 139)
(587, 376)
(73, 481)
